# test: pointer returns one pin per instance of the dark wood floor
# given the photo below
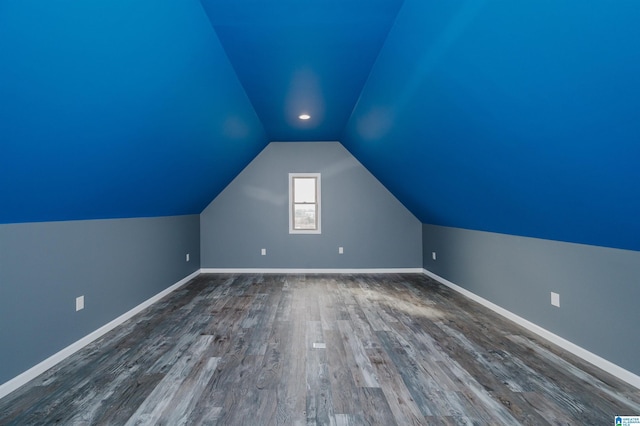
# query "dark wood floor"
(320, 349)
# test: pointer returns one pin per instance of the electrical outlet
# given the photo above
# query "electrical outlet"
(433, 255)
(555, 299)
(79, 303)
(340, 250)
(263, 252)
(187, 257)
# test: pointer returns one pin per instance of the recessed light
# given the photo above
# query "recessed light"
(304, 116)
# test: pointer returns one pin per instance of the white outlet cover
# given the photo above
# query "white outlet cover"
(79, 303)
(555, 299)
(263, 252)
(433, 255)
(341, 250)
(187, 257)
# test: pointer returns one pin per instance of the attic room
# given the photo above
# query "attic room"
(473, 253)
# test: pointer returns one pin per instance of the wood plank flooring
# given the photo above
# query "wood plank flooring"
(389, 349)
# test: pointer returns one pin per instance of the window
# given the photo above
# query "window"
(304, 203)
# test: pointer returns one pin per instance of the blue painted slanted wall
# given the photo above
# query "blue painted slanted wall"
(116, 109)
(512, 117)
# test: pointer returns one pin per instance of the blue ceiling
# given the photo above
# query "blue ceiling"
(115, 109)
(295, 57)
(513, 117)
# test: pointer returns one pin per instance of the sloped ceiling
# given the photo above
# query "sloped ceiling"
(302, 57)
(512, 117)
(115, 109)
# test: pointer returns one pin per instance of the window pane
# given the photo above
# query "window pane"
(304, 203)
(304, 190)
(304, 216)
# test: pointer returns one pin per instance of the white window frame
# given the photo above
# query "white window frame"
(318, 229)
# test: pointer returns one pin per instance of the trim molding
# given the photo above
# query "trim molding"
(35, 371)
(13, 384)
(594, 359)
(311, 271)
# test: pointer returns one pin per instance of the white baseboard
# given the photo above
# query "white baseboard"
(311, 271)
(623, 374)
(594, 359)
(35, 371)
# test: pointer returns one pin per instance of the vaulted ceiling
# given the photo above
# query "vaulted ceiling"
(294, 57)
(511, 117)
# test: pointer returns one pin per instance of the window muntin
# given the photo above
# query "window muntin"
(304, 203)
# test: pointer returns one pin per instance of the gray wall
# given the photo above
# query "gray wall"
(115, 264)
(599, 287)
(358, 213)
